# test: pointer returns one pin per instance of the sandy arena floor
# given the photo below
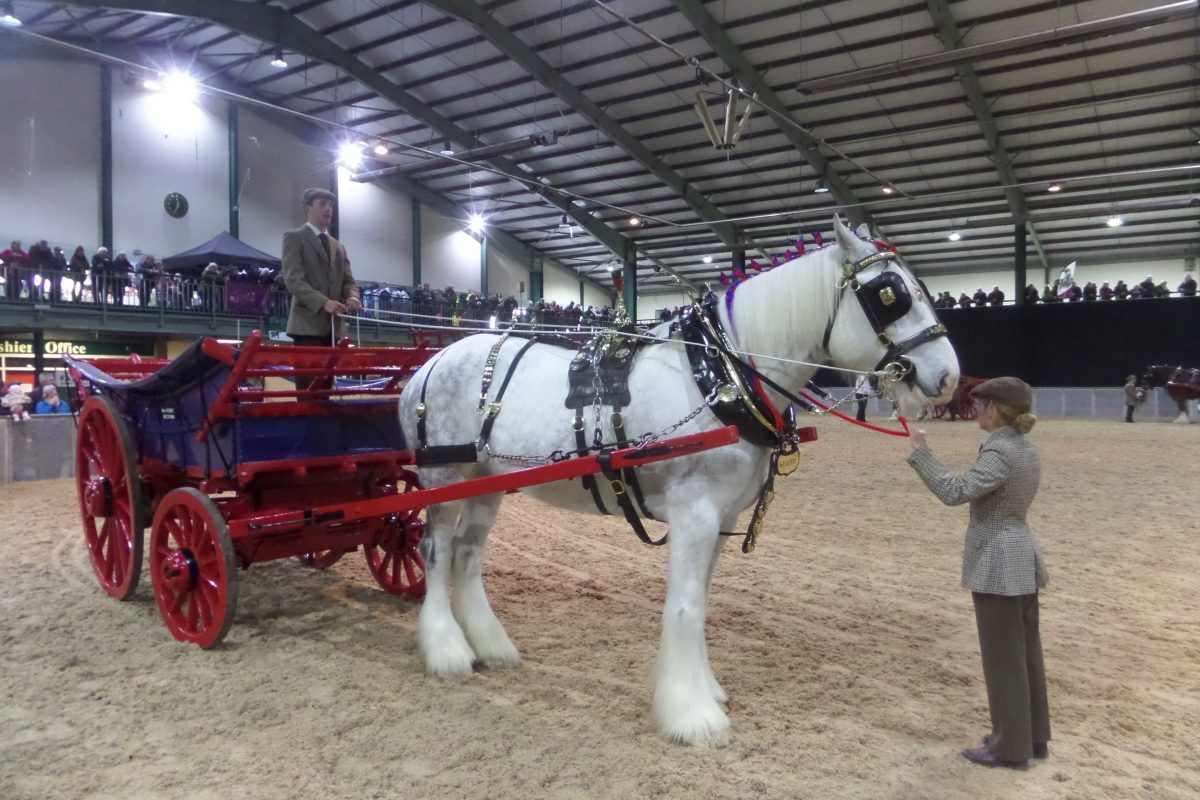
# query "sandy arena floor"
(846, 645)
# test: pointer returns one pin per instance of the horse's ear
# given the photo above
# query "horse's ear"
(845, 238)
(863, 232)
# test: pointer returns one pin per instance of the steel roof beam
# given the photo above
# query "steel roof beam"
(949, 34)
(523, 55)
(276, 25)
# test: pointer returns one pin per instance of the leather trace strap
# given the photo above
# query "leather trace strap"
(493, 408)
(588, 481)
(629, 474)
(623, 500)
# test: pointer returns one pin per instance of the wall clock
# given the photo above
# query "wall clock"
(176, 204)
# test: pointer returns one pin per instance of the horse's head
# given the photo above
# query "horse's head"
(883, 316)
(1156, 376)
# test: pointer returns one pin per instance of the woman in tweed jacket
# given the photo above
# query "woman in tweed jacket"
(1003, 568)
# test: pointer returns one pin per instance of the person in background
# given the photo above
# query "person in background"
(995, 297)
(1003, 567)
(1121, 290)
(1048, 295)
(211, 282)
(1106, 291)
(1031, 295)
(980, 298)
(317, 272)
(1089, 291)
(51, 403)
(60, 267)
(148, 274)
(1188, 287)
(963, 300)
(44, 380)
(118, 279)
(1134, 394)
(862, 392)
(1148, 287)
(15, 403)
(78, 269)
(101, 269)
(1074, 293)
(14, 260)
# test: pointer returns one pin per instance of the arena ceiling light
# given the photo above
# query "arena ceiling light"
(1115, 221)
(954, 236)
(476, 223)
(888, 187)
(381, 149)
(181, 86)
(350, 154)
(446, 149)
(707, 259)
(278, 62)
(635, 222)
(8, 16)
(1054, 187)
(821, 188)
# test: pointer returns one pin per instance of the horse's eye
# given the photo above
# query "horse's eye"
(887, 295)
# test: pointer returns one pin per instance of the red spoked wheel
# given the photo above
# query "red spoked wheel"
(110, 496)
(967, 407)
(192, 567)
(939, 412)
(395, 560)
(321, 559)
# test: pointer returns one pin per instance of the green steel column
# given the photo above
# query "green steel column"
(234, 170)
(416, 242)
(483, 275)
(630, 275)
(581, 294)
(535, 278)
(106, 158)
(335, 226)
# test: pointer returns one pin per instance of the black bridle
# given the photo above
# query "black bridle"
(884, 299)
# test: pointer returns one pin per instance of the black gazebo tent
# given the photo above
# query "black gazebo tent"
(225, 250)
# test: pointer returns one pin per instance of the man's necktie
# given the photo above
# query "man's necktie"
(324, 237)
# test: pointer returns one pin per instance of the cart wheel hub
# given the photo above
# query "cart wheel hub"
(180, 571)
(97, 496)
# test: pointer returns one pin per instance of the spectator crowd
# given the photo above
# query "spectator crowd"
(1071, 292)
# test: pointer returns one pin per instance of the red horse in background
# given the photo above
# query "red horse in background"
(1182, 385)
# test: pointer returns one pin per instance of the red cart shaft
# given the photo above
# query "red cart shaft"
(288, 521)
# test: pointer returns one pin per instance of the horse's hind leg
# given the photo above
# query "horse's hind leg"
(469, 600)
(685, 702)
(446, 650)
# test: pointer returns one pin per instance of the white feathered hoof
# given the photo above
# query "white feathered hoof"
(494, 648)
(1182, 419)
(684, 720)
(447, 654)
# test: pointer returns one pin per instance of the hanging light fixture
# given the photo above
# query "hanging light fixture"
(821, 188)
(8, 16)
(1054, 187)
(446, 150)
(954, 236)
(1115, 221)
(381, 149)
(888, 187)
(635, 221)
(278, 62)
(563, 222)
(707, 259)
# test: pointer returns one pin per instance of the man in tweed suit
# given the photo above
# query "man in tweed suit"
(316, 271)
(1003, 568)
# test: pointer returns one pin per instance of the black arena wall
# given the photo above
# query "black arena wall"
(1075, 344)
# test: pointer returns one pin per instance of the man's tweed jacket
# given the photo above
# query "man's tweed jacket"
(312, 278)
(1001, 555)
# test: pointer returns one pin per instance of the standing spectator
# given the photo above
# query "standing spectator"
(1106, 291)
(1162, 290)
(211, 282)
(1188, 287)
(51, 403)
(1048, 295)
(980, 298)
(78, 268)
(14, 260)
(1148, 287)
(101, 268)
(317, 273)
(1031, 295)
(1089, 291)
(148, 273)
(1074, 293)
(15, 403)
(862, 393)
(41, 261)
(1121, 290)
(1134, 394)
(1135, 293)
(995, 297)
(1002, 567)
(122, 268)
(60, 274)
(963, 300)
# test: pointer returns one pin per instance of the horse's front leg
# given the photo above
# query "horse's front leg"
(469, 600)
(685, 703)
(447, 653)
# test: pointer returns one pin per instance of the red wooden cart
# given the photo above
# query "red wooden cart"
(229, 463)
(964, 402)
